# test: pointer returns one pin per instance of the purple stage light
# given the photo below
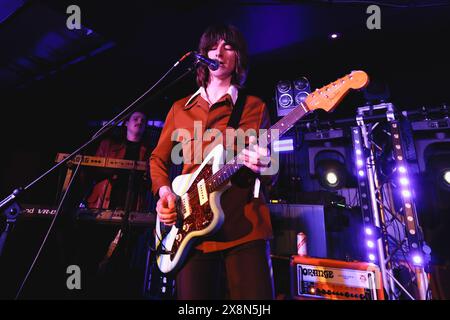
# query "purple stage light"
(417, 259)
(406, 193)
(404, 181)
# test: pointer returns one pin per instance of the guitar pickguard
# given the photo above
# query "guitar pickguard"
(201, 215)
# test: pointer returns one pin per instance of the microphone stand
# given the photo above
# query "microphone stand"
(122, 236)
(11, 214)
(125, 229)
(12, 210)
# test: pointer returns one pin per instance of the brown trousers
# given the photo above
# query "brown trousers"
(243, 272)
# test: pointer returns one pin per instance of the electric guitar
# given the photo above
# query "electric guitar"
(198, 194)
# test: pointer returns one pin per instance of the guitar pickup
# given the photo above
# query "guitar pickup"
(202, 192)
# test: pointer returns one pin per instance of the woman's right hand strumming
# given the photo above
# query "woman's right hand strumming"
(166, 206)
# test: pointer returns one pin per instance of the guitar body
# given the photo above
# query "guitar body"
(198, 218)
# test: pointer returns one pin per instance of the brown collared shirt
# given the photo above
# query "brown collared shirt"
(246, 218)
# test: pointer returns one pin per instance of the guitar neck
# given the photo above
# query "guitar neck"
(278, 129)
(325, 98)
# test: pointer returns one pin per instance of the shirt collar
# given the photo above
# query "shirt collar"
(232, 91)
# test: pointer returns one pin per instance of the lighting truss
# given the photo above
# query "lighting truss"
(387, 205)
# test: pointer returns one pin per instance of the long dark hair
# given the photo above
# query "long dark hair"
(232, 36)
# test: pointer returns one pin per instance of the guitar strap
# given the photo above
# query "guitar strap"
(236, 113)
(233, 122)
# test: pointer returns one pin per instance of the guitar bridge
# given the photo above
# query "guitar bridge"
(185, 205)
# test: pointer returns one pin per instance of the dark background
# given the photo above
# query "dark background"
(56, 84)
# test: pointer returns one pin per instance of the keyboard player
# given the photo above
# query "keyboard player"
(110, 186)
(108, 267)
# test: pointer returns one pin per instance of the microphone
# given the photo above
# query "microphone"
(212, 64)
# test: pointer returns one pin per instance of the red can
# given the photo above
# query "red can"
(301, 244)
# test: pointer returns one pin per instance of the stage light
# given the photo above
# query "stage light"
(404, 181)
(284, 86)
(301, 84)
(331, 174)
(372, 232)
(284, 97)
(446, 177)
(334, 36)
(289, 94)
(438, 171)
(371, 257)
(285, 100)
(361, 173)
(432, 145)
(301, 89)
(370, 244)
(417, 259)
(332, 178)
(402, 169)
(406, 193)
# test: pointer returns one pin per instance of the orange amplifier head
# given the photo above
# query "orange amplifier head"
(315, 278)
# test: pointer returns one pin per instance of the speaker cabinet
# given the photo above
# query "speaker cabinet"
(284, 93)
(289, 94)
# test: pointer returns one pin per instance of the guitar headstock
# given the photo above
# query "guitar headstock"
(328, 97)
